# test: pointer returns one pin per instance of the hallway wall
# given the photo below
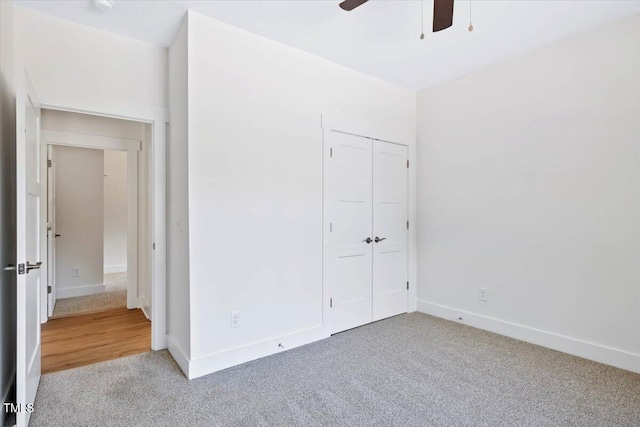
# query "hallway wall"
(115, 211)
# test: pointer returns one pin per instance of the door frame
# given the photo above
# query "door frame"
(53, 138)
(49, 302)
(158, 119)
(332, 123)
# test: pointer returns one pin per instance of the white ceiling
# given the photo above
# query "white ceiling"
(380, 38)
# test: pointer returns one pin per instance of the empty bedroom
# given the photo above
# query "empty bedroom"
(319, 213)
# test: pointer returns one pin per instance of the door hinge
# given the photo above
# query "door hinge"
(330, 227)
(48, 289)
(154, 246)
(20, 268)
(407, 164)
(331, 152)
(48, 163)
(407, 285)
(330, 302)
(407, 225)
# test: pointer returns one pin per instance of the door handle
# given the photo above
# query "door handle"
(56, 235)
(379, 240)
(368, 240)
(35, 266)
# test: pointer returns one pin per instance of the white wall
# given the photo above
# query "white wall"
(7, 201)
(255, 185)
(529, 186)
(76, 66)
(79, 187)
(115, 211)
(178, 289)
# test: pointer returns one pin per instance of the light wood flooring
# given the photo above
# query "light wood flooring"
(90, 338)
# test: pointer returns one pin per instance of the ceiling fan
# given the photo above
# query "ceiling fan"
(442, 12)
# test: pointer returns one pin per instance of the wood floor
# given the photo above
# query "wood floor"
(90, 338)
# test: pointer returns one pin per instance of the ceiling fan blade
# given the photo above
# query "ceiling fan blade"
(349, 5)
(442, 14)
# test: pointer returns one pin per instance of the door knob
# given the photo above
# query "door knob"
(368, 240)
(35, 266)
(379, 240)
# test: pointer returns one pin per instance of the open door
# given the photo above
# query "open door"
(28, 247)
(51, 231)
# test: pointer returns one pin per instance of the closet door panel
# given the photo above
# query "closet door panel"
(348, 207)
(390, 213)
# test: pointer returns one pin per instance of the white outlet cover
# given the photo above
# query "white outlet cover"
(482, 294)
(235, 319)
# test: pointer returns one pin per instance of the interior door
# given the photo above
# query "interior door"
(51, 232)
(390, 214)
(348, 222)
(28, 247)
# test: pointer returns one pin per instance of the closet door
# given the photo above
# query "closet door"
(390, 215)
(348, 245)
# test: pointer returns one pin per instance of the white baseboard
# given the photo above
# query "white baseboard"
(115, 268)
(79, 291)
(236, 356)
(145, 306)
(6, 389)
(588, 350)
(178, 355)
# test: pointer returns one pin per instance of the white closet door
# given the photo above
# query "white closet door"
(348, 222)
(390, 214)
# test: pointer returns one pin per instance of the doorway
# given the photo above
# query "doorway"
(97, 223)
(87, 242)
(366, 229)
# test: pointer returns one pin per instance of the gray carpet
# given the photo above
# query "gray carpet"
(114, 296)
(411, 370)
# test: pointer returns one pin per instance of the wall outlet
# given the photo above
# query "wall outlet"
(75, 272)
(482, 294)
(235, 319)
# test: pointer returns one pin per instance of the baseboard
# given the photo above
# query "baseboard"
(6, 391)
(587, 350)
(236, 356)
(145, 307)
(79, 291)
(178, 355)
(115, 269)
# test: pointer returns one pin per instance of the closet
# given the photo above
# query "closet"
(366, 229)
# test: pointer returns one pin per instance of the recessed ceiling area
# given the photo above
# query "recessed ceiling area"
(380, 38)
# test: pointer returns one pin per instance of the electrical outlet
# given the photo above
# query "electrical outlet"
(482, 294)
(235, 319)
(76, 272)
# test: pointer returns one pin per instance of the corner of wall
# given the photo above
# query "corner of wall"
(178, 295)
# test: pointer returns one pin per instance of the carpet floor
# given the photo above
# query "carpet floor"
(114, 296)
(410, 370)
